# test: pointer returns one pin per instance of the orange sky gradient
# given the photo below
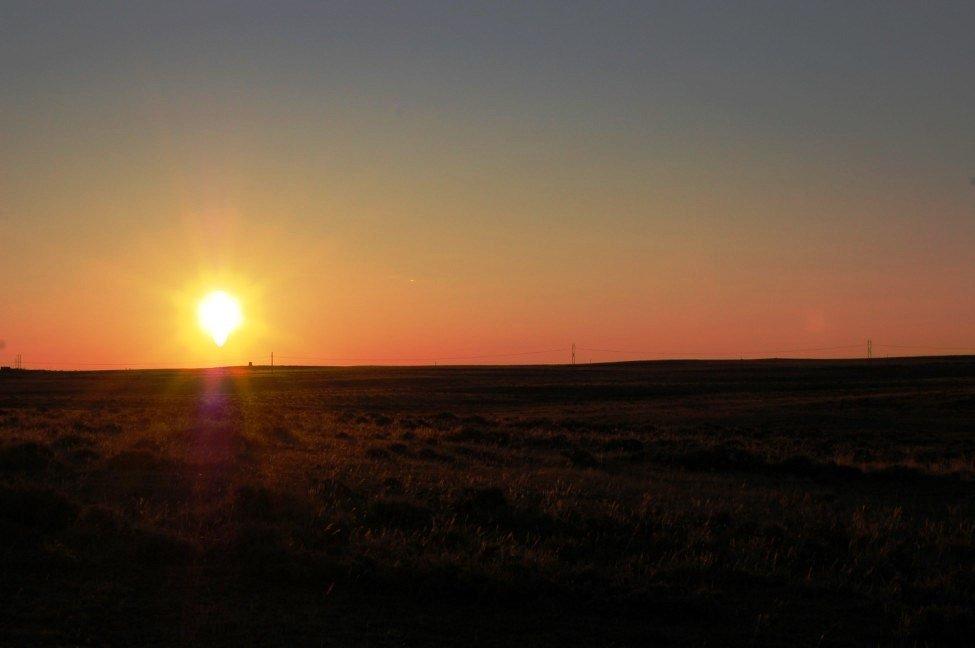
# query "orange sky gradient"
(402, 202)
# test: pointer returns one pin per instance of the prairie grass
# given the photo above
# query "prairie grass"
(756, 503)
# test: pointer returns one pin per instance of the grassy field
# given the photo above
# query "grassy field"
(689, 503)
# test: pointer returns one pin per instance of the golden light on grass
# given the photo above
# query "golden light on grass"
(219, 315)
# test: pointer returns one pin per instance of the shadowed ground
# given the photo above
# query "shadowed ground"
(699, 503)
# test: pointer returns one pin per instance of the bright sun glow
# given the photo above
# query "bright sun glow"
(219, 316)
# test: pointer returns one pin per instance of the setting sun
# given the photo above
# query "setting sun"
(219, 315)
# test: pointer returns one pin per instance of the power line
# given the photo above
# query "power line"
(721, 355)
(926, 348)
(572, 349)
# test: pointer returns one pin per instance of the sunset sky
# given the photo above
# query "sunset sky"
(399, 183)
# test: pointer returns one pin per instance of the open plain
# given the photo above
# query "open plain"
(806, 503)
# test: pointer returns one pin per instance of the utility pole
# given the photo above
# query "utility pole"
(573, 353)
(869, 348)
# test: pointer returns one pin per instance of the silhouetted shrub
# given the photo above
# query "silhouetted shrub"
(398, 513)
(481, 500)
(282, 435)
(40, 509)
(553, 442)
(99, 521)
(140, 475)
(110, 429)
(331, 489)
(432, 455)
(84, 455)
(410, 423)
(377, 453)
(142, 461)
(581, 458)
(393, 485)
(70, 442)
(718, 458)
(25, 457)
(470, 434)
(623, 445)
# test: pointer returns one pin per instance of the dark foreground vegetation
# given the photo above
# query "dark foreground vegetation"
(731, 503)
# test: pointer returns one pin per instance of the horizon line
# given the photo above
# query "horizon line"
(106, 367)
